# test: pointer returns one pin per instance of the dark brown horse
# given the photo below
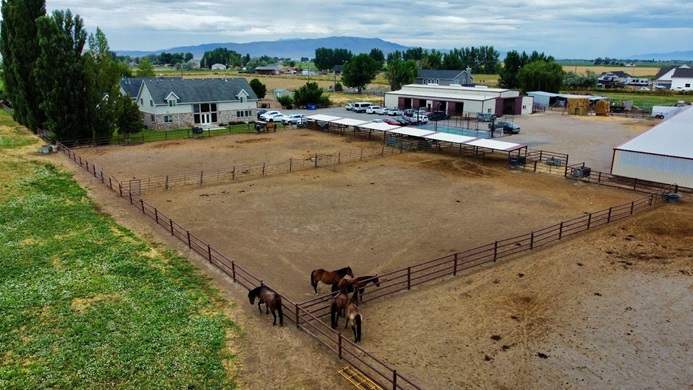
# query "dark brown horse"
(354, 317)
(271, 299)
(339, 303)
(328, 277)
(359, 282)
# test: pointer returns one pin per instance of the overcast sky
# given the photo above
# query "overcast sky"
(563, 29)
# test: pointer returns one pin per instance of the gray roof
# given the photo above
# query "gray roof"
(671, 137)
(190, 91)
(685, 73)
(440, 74)
(132, 85)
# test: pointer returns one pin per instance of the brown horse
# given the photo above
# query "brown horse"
(354, 317)
(328, 277)
(359, 282)
(339, 303)
(271, 299)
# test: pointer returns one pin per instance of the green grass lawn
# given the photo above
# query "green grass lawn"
(87, 304)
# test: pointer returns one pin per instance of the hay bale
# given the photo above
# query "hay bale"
(578, 106)
(602, 108)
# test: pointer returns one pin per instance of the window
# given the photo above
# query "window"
(141, 101)
(242, 99)
(152, 118)
(151, 103)
(171, 103)
(168, 118)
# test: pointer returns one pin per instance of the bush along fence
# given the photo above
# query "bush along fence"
(374, 368)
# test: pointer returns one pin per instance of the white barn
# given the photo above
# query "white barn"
(663, 154)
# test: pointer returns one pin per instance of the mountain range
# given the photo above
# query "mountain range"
(296, 48)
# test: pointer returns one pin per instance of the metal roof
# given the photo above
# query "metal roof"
(446, 96)
(672, 137)
(447, 137)
(323, 118)
(411, 131)
(349, 122)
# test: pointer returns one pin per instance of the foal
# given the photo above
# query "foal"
(271, 299)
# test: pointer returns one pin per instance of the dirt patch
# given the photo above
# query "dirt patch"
(572, 313)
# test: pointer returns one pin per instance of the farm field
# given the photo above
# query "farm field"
(387, 213)
(635, 71)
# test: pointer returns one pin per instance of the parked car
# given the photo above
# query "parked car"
(378, 121)
(349, 106)
(485, 117)
(402, 121)
(265, 116)
(372, 109)
(391, 121)
(418, 118)
(438, 116)
(393, 112)
(360, 106)
(260, 112)
(276, 117)
(294, 119)
(508, 127)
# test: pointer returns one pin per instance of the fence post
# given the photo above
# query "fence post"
(394, 379)
(263, 168)
(589, 221)
(632, 206)
(339, 343)
(298, 318)
(495, 251)
(291, 161)
(130, 192)
(339, 157)
(233, 173)
(316, 160)
(189, 243)
(156, 215)
(166, 184)
(408, 278)
(560, 231)
(608, 219)
(233, 270)
(202, 173)
(80, 161)
(454, 268)
(535, 167)
(382, 152)
(599, 177)
(635, 183)
(531, 241)
(170, 222)
(209, 252)
(651, 199)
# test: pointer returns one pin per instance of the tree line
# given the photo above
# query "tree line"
(60, 78)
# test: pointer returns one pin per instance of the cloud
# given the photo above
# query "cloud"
(564, 29)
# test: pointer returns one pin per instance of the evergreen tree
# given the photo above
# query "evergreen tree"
(259, 88)
(310, 93)
(59, 74)
(377, 55)
(101, 80)
(129, 118)
(19, 50)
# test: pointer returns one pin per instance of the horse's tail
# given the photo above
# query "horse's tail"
(358, 327)
(280, 310)
(313, 282)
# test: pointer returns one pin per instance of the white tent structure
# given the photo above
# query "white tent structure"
(663, 154)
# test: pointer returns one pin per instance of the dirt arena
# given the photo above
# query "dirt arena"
(555, 325)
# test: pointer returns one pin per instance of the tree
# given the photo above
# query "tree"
(19, 50)
(60, 76)
(259, 88)
(310, 93)
(572, 80)
(400, 72)
(129, 118)
(541, 75)
(220, 55)
(101, 92)
(286, 101)
(511, 66)
(377, 55)
(145, 68)
(360, 71)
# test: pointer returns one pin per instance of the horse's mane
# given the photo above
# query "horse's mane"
(255, 292)
(343, 271)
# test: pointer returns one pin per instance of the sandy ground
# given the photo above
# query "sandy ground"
(607, 309)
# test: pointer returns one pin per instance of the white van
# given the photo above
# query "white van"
(361, 106)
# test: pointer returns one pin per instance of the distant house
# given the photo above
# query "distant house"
(616, 79)
(279, 92)
(675, 78)
(445, 77)
(218, 67)
(273, 69)
(170, 103)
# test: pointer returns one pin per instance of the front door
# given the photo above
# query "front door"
(205, 119)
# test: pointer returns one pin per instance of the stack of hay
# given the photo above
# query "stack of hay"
(603, 108)
(578, 106)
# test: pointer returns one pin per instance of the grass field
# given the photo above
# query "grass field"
(87, 304)
(635, 71)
